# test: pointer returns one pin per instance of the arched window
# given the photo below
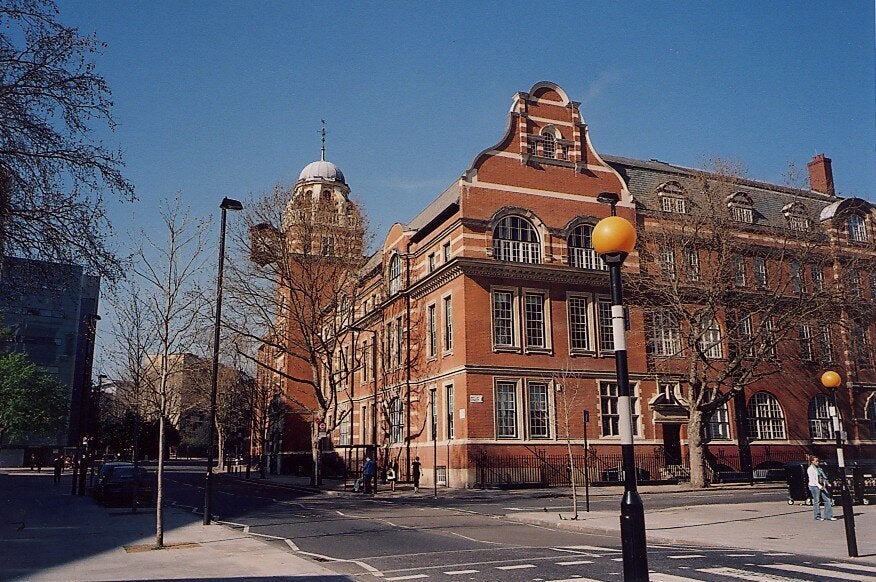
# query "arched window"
(857, 228)
(819, 418)
(516, 240)
(581, 253)
(766, 421)
(549, 145)
(396, 421)
(394, 274)
(672, 197)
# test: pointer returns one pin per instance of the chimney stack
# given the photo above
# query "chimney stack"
(821, 175)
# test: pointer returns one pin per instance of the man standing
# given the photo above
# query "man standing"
(58, 466)
(415, 466)
(817, 482)
(369, 473)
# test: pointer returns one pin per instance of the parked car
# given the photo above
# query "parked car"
(116, 484)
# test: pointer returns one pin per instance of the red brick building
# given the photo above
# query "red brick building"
(490, 313)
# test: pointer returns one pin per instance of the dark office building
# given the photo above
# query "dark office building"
(49, 311)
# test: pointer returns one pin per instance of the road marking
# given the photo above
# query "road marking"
(454, 572)
(658, 577)
(746, 575)
(412, 577)
(574, 563)
(820, 572)
(740, 555)
(859, 567)
(475, 540)
(574, 580)
(686, 557)
(339, 513)
(515, 567)
(577, 552)
(515, 509)
(593, 548)
(777, 554)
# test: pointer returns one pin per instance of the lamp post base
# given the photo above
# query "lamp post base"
(632, 525)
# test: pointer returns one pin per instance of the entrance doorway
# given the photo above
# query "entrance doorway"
(672, 443)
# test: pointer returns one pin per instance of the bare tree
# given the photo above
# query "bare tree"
(168, 271)
(569, 395)
(292, 289)
(703, 272)
(134, 339)
(53, 172)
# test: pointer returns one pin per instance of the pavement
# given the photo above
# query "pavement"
(46, 534)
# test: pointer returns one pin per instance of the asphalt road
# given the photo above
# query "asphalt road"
(464, 536)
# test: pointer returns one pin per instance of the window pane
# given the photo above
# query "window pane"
(448, 324)
(579, 330)
(820, 424)
(538, 411)
(766, 421)
(608, 399)
(503, 318)
(506, 410)
(534, 308)
(606, 332)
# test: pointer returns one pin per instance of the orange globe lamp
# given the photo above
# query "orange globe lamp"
(830, 379)
(614, 234)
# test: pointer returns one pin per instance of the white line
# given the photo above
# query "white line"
(820, 572)
(574, 580)
(860, 567)
(686, 556)
(574, 563)
(777, 554)
(658, 577)
(412, 577)
(374, 571)
(746, 575)
(452, 572)
(513, 509)
(515, 567)
(339, 513)
(577, 552)
(740, 555)
(474, 540)
(592, 548)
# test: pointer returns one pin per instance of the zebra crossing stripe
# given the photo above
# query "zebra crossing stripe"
(686, 557)
(452, 572)
(658, 577)
(574, 580)
(747, 575)
(820, 572)
(574, 563)
(412, 577)
(859, 567)
(515, 567)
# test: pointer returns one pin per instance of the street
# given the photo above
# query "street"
(465, 536)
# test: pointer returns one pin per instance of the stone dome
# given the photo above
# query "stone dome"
(322, 170)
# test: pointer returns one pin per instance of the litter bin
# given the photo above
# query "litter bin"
(798, 483)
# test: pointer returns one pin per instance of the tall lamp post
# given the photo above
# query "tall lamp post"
(831, 380)
(613, 239)
(227, 204)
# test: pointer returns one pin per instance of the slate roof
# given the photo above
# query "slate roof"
(644, 177)
(436, 207)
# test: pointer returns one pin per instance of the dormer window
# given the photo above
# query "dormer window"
(741, 208)
(672, 198)
(516, 240)
(797, 217)
(857, 228)
(394, 274)
(549, 145)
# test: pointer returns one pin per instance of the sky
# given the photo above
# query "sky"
(220, 98)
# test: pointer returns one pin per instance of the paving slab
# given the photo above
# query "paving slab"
(757, 526)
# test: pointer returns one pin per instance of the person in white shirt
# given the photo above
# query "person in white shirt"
(817, 487)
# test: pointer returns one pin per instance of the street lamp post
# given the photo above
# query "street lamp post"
(433, 390)
(613, 239)
(227, 204)
(831, 380)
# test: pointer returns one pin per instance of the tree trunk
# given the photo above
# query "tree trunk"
(159, 496)
(572, 478)
(695, 446)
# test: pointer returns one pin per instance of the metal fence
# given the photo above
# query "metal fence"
(555, 470)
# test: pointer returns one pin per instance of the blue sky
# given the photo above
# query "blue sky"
(221, 99)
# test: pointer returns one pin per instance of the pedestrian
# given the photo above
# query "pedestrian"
(415, 467)
(818, 489)
(58, 466)
(369, 473)
(392, 475)
(39, 462)
(32, 461)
